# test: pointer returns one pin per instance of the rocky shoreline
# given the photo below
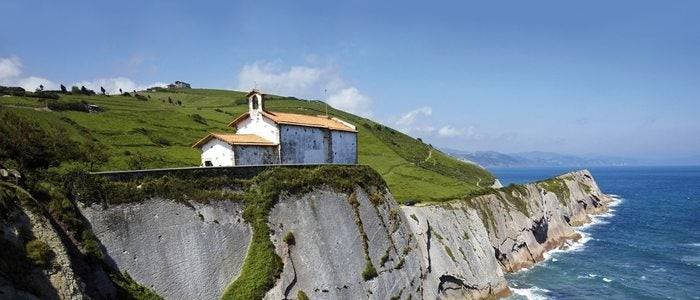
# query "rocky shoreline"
(521, 224)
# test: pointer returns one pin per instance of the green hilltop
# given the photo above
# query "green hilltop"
(149, 132)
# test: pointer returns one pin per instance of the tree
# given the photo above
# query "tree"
(74, 90)
(63, 89)
(120, 91)
(102, 89)
(41, 87)
(170, 100)
(179, 102)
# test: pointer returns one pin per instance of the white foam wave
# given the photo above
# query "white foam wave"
(569, 246)
(606, 279)
(601, 218)
(694, 244)
(533, 293)
(616, 200)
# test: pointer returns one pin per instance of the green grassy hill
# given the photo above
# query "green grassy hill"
(155, 133)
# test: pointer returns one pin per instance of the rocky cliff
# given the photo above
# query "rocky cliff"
(323, 233)
(343, 240)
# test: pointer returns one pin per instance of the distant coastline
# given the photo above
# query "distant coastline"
(490, 159)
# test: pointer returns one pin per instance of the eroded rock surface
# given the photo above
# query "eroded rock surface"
(181, 251)
(453, 250)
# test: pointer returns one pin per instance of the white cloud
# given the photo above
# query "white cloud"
(112, 85)
(10, 71)
(10, 67)
(31, 83)
(265, 76)
(306, 82)
(449, 131)
(424, 129)
(351, 100)
(409, 118)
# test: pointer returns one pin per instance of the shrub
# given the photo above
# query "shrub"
(70, 106)
(141, 97)
(19, 142)
(302, 296)
(136, 161)
(160, 141)
(289, 239)
(11, 90)
(39, 253)
(86, 91)
(370, 272)
(199, 119)
(42, 95)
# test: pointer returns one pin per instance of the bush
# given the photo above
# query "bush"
(39, 253)
(302, 296)
(199, 119)
(11, 90)
(141, 97)
(86, 91)
(370, 272)
(70, 106)
(42, 95)
(289, 239)
(160, 141)
(32, 147)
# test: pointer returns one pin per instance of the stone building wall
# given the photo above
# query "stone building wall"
(247, 155)
(307, 145)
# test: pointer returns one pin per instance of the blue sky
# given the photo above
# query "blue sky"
(615, 78)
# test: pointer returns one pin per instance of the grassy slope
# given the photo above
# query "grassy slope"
(413, 170)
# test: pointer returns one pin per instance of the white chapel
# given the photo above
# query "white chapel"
(264, 137)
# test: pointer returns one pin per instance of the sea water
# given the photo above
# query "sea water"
(646, 247)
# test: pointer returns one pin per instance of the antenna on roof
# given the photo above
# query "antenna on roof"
(325, 92)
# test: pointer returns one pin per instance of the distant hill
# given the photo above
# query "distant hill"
(536, 159)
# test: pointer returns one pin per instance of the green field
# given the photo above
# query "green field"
(159, 134)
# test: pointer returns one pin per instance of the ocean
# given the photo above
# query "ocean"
(646, 247)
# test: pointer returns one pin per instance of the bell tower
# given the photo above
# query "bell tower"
(255, 103)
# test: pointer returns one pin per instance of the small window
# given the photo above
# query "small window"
(208, 163)
(255, 102)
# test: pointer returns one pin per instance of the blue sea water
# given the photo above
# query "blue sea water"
(647, 247)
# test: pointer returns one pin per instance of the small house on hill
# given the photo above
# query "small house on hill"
(264, 137)
(179, 85)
